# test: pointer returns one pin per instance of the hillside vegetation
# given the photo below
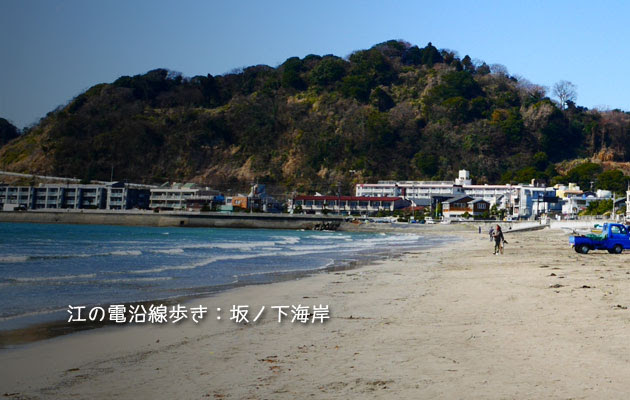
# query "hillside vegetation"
(395, 111)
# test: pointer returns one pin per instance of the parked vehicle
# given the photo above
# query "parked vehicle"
(614, 238)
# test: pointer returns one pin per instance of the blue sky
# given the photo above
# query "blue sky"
(54, 50)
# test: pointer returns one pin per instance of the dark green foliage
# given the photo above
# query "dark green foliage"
(329, 70)
(357, 87)
(510, 123)
(431, 55)
(7, 132)
(598, 207)
(483, 69)
(558, 140)
(413, 56)
(613, 180)
(456, 84)
(381, 100)
(291, 70)
(584, 174)
(426, 56)
(468, 64)
(426, 163)
(540, 161)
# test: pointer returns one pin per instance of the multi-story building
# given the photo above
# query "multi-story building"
(175, 196)
(115, 196)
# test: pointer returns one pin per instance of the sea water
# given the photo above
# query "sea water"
(46, 268)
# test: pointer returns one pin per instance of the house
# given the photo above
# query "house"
(458, 206)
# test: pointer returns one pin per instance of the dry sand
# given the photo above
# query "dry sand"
(457, 322)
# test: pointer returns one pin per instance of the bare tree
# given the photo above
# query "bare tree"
(499, 69)
(565, 91)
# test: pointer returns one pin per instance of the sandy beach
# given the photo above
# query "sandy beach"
(455, 322)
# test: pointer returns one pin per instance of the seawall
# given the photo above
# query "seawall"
(170, 219)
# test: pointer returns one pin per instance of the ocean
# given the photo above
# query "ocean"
(46, 268)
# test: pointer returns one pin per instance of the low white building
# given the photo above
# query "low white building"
(346, 204)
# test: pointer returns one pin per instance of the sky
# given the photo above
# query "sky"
(53, 50)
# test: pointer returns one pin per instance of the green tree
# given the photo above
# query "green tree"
(291, 74)
(584, 174)
(431, 55)
(613, 180)
(330, 69)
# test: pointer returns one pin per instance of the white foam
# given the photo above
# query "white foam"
(130, 280)
(13, 259)
(125, 253)
(203, 263)
(54, 278)
(169, 251)
(229, 245)
(286, 239)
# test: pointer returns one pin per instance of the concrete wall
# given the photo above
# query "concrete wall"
(206, 220)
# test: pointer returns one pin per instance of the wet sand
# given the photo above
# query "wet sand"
(540, 321)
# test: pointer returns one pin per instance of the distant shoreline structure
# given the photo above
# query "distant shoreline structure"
(175, 219)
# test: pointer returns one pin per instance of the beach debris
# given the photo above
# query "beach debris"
(72, 370)
(556, 286)
(544, 266)
(552, 274)
(619, 306)
(585, 287)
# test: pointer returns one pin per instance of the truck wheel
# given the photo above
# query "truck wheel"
(617, 249)
(583, 248)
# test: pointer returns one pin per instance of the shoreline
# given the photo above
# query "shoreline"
(53, 324)
(540, 321)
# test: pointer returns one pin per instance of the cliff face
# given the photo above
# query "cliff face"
(394, 111)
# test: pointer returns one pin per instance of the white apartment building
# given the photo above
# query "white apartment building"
(176, 195)
(114, 196)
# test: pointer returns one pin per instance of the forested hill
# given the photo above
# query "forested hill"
(395, 111)
(8, 132)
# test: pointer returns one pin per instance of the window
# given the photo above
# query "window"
(618, 230)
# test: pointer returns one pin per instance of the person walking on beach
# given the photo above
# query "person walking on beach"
(490, 232)
(499, 240)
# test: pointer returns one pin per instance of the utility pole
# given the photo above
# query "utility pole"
(338, 198)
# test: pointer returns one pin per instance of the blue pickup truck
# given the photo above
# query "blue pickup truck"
(614, 238)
